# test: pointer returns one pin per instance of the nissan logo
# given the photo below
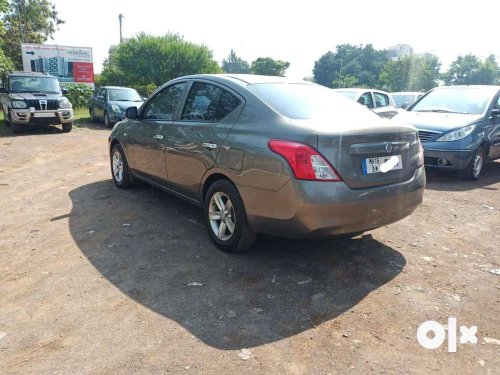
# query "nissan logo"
(388, 147)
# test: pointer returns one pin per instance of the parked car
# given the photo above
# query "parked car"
(34, 99)
(267, 155)
(110, 102)
(379, 101)
(404, 99)
(459, 127)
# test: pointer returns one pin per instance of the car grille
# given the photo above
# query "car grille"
(35, 103)
(426, 135)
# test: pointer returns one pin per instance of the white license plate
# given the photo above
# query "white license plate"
(381, 164)
(44, 114)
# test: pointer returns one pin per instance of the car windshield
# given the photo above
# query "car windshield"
(466, 100)
(305, 101)
(124, 95)
(34, 84)
(347, 94)
(399, 100)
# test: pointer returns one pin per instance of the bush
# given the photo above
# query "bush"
(79, 94)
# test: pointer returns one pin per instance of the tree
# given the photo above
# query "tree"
(146, 62)
(410, 73)
(350, 62)
(470, 70)
(269, 67)
(235, 64)
(344, 81)
(5, 62)
(28, 21)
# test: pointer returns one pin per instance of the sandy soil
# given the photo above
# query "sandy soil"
(98, 280)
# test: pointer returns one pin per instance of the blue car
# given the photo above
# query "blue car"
(459, 127)
(109, 104)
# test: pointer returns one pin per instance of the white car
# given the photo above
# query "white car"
(379, 101)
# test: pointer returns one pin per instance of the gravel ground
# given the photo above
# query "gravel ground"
(98, 280)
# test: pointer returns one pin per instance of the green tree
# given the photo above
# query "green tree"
(410, 73)
(5, 62)
(345, 81)
(470, 70)
(269, 67)
(235, 64)
(145, 61)
(28, 21)
(363, 63)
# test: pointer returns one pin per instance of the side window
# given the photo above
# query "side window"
(102, 92)
(164, 104)
(497, 105)
(208, 103)
(381, 100)
(366, 99)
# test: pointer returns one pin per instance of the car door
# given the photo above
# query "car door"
(147, 135)
(383, 105)
(209, 113)
(99, 103)
(495, 133)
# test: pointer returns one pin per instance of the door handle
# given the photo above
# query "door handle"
(158, 136)
(209, 145)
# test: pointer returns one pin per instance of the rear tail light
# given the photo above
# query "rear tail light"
(420, 160)
(305, 161)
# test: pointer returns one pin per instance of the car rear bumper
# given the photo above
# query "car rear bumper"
(317, 209)
(27, 117)
(447, 159)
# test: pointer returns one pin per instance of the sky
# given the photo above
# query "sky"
(299, 32)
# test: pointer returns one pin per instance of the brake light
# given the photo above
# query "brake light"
(305, 161)
(420, 160)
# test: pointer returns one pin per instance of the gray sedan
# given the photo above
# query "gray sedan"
(268, 155)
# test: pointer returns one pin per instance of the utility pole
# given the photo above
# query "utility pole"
(120, 19)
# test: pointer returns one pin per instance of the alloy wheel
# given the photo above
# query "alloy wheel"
(477, 164)
(222, 216)
(118, 166)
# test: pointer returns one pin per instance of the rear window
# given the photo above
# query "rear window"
(307, 101)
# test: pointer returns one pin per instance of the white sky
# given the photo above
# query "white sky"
(296, 31)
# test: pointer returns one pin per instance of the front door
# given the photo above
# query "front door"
(194, 141)
(147, 135)
(495, 133)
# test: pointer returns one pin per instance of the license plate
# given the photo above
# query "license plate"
(44, 114)
(381, 164)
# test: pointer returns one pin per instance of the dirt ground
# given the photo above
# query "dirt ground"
(98, 280)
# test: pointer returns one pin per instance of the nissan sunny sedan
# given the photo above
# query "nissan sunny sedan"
(459, 127)
(268, 155)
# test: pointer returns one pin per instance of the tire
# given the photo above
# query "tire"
(92, 117)
(67, 127)
(118, 161)
(219, 195)
(473, 170)
(15, 128)
(107, 122)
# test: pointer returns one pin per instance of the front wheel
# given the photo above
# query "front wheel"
(92, 117)
(225, 218)
(475, 166)
(120, 171)
(6, 117)
(67, 127)
(107, 121)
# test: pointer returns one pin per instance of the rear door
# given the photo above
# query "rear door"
(193, 143)
(147, 135)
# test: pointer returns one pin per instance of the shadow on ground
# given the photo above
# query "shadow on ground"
(153, 246)
(453, 181)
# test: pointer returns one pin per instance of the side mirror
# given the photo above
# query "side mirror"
(131, 113)
(495, 112)
(65, 91)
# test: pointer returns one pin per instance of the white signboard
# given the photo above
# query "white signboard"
(68, 64)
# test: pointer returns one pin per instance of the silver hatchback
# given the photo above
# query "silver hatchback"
(268, 155)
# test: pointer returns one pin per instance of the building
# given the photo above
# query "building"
(56, 66)
(399, 50)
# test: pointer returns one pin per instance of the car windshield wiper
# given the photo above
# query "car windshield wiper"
(442, 111)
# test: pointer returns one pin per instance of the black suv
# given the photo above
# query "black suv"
(34, 99)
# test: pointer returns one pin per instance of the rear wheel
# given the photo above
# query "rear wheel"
(67, 127)
(475, 167)
(225, 218)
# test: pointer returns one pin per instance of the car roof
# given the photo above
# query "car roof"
(246, 79)
(359, 89)
(116, 87)
(407, 93)
(492, 87)
(31, 74)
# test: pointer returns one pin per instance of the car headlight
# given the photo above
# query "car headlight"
(19, 104)
(115, 108)
(455, 135)
(65, 104)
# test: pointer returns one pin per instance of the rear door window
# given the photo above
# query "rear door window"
(366, 100)
(381, 100)
(208, 103)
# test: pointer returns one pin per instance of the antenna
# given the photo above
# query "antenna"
(120, 19)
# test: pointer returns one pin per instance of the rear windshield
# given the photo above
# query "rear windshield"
(306, 101)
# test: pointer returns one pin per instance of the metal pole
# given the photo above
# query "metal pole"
(120, 19)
